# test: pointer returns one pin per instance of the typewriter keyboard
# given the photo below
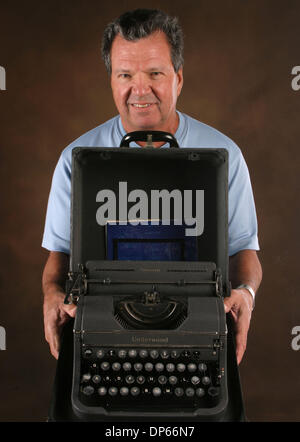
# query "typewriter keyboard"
(148, 378)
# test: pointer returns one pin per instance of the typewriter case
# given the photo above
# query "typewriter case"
(140, 312)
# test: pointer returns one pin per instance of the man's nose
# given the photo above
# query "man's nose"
(141, 85)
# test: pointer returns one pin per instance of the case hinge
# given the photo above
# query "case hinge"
(219, 284)
(76, 285)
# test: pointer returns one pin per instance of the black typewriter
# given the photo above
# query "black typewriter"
(150, 335)
(161, 350)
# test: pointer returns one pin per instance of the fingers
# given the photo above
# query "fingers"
(70, 309)
(52, 337)
(242, 327)
(228, 303)
(54, 345)
(56, 314)
(237, 304)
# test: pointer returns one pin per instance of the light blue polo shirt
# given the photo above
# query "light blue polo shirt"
(242, 221)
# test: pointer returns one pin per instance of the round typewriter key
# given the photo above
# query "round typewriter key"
(105, 366)
(86, 377)
(170, 368)
(175, 354)
(202, 367)
(151, 380)
(156, 391)
(180, 368)
(111, 353)
(113, 391)
(129, 379)
(118, 380)
(162, 380)
(143, 354)
(186, 354)
(96, 379)
(164, 354)
(135, 391)
(126, 366)
(138, 366)
(189, 392)
(100, 353)
(124, 391)
(173, 380)
(88, 390)
(140, 380)
(205, 380)
(213, 391)
(200, 392)
(116, 366)
(102, 391)
(154, 354)
(122, 354)
(195, 380)
(148, 366)
(159, 367)
(132, 353)
(192, 367)
(178, 392)
(87, 353)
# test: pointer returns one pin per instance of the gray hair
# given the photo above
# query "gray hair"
(140, 23)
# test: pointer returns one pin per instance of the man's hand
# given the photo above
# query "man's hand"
(56, 314)
(240, 304)
(244, 268)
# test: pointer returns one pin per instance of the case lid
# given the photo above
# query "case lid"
(150, 186)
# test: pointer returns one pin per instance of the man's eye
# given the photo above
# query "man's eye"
(124, 76)
(155, 74)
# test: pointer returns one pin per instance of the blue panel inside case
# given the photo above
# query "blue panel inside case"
(150, 243)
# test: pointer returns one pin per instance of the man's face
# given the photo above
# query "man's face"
(144, 83)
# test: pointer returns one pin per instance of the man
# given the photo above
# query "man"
(142, 51)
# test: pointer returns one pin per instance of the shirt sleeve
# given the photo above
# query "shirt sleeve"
(57, 225)
(242, 219)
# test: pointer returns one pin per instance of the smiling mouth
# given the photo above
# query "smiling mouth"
(141, 106)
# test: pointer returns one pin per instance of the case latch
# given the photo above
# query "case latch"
(76, 285)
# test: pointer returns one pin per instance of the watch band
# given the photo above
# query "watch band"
(250, 290)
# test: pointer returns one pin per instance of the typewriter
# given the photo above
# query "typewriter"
(150, 334)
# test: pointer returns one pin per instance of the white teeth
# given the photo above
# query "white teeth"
(141, 105)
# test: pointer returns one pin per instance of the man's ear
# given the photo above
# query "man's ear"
(179, 81)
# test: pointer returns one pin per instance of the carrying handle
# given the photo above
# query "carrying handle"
(150, 136)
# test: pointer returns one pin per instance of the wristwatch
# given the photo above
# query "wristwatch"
(250, 290)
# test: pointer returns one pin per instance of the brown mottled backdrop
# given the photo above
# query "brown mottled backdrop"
(238, 60)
